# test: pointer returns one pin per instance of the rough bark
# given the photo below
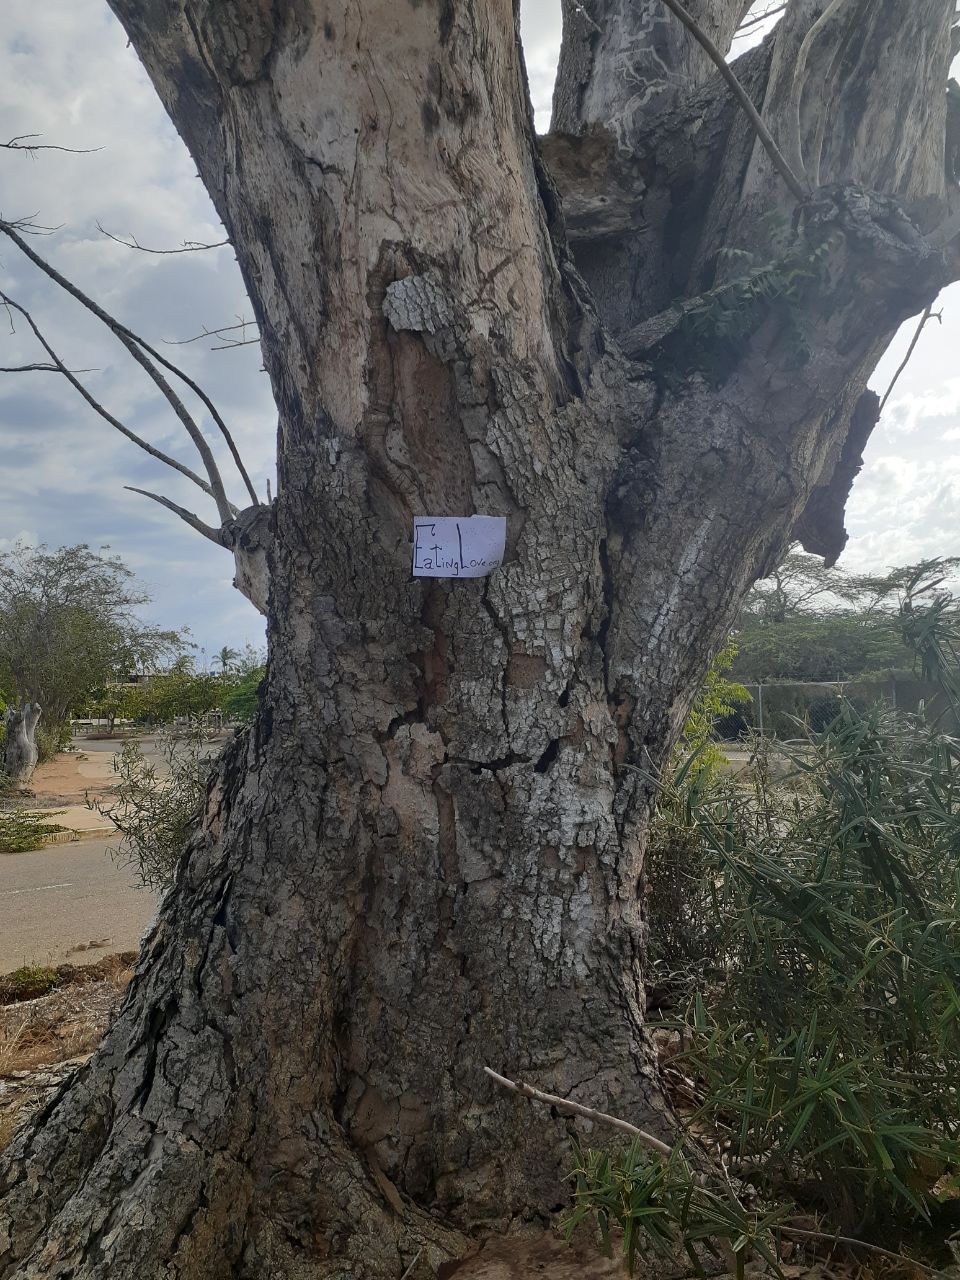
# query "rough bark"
(20, 742)
(427, 853)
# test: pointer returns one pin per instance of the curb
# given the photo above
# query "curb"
(71, 836)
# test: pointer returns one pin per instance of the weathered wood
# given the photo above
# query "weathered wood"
(427, 853)
(20, 742)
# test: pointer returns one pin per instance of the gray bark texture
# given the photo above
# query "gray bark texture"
(427, 853)
(20, 742)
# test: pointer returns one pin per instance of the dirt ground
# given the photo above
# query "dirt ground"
(70, 777)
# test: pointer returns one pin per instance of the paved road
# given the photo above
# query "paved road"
(55, 900)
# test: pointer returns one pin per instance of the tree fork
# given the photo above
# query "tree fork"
(427, 853)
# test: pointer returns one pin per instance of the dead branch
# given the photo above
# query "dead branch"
(575, 1108)
(760, 129)
(215, 535)
(141, 352)
(751, 23)
(22, 143)
(929, 314)
(39, 368)
(228, 343)
(95, 404)
(828, 1237)
(188, 246)
(409, 1271)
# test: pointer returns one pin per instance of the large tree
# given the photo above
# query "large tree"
(68, 624)
(645, 340)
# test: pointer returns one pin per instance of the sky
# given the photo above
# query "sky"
(66, 73)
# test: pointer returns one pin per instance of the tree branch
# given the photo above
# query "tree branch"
(21, 143)
(794, 99)
(228, 343)
(141, 350)
(215, 535)
(575, 1108)
(763, 133)
(758, 19)
(188, 246)
(927, 316)
(98, 407)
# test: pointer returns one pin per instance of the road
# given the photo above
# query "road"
(54, 902)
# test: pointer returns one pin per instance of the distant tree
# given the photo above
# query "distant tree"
(240, 701)
(809, 622)
(178, 692)
(68, 625)
(227, 657)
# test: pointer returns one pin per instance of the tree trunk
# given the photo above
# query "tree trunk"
(20, 742)
(427, 853)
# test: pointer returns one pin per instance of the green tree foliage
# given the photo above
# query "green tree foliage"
(718, 699)
(68, 625)
(240, 701)
(807, 622)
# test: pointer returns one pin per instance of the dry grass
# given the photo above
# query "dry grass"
(41, 1040)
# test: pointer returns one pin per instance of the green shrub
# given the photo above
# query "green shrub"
(816, 960)
(156, 808)
(21, 831)
(29, 982)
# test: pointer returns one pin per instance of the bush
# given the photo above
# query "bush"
(156, 809)
(816, 958)
(21, 831)
(29, 982)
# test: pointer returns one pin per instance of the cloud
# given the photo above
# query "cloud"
(66, 72)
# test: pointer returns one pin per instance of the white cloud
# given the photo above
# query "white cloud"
(66, 72)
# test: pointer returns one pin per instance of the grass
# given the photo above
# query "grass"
(67, 1024)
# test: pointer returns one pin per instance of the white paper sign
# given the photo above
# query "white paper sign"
(458, 546)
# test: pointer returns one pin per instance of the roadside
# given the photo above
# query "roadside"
(58, 903)
(68, 899)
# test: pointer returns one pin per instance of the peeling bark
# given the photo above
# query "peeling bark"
(427, 854)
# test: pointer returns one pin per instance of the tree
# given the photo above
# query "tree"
(645, 341)
(809, 622)
(68, 625)
(227, 657)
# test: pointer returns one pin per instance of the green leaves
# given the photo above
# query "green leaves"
(816, 962)
(663, 1203)
(21, 831)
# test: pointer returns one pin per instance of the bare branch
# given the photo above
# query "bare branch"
(30, 227)
(751, 23)
(215, 535)
(228, 343)
(188, 246)
(761, 130)
(140, 350)
(409, 1271)
(39, 368)
(588, 1113)
(98, 407)
(928, 315)
(22, 143)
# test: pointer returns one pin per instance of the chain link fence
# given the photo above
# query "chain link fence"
(779, 709)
